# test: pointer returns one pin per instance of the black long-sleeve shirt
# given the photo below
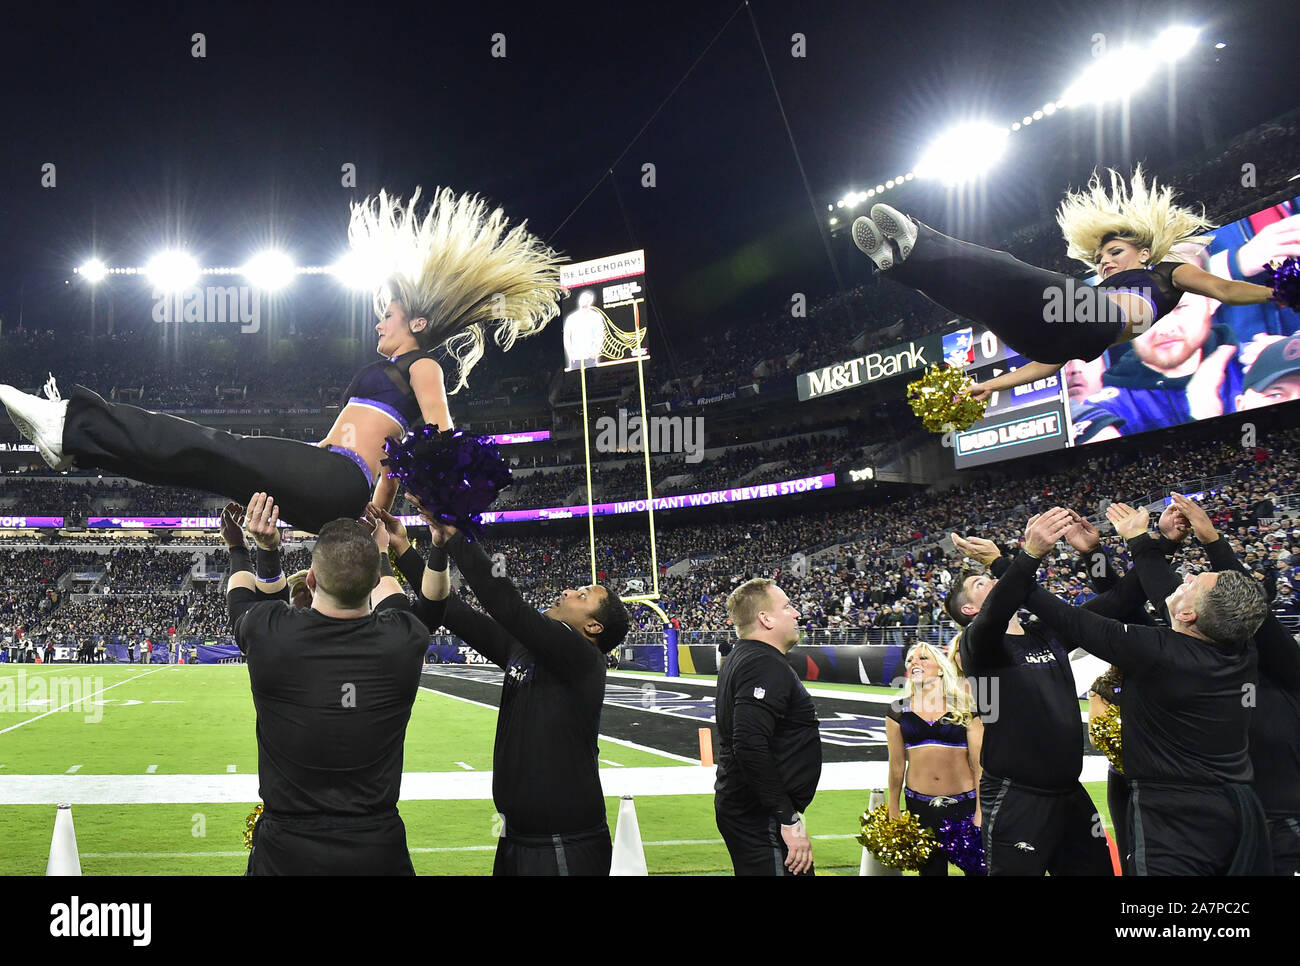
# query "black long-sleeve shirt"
(545, 766)
(1025, 690)
(1185, 714)
(1275, 720)
(333, 698)
(769, 744)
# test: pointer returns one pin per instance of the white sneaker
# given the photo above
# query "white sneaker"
(896, 226)
(872, 243)
(40, 420)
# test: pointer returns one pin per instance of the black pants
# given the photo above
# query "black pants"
(754, 840)
(933, 811)
(577, 853)
(1013, 299)
(330, 845)
(1117, 796)
(1030, 831)
(1284, 839)
(1197, 830)
(311, 485)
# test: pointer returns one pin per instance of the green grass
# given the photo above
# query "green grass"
(208, 725)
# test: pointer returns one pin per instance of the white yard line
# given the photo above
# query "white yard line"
(416, 786)
(426, 850)
(84, 699)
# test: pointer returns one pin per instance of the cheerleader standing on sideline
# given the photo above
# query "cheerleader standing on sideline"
(1127, 236)
(934, 741)
(459, 270)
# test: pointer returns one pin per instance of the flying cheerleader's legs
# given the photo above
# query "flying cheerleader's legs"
(1046, 316)
(313, 485)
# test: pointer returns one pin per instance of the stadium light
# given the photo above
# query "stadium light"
(269, 270)
(1117, 74)
(1175, 42)
(364, 272)
(963, 153)
(172, 271)
(93, 271)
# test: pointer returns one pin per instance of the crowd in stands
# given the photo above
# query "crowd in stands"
(877, 566)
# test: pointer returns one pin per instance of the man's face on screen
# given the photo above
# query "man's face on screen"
(1082, 378)
(1178, 336)
(1282, 390)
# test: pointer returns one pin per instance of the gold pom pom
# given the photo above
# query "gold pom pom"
(940, 399)
(900, 844)
(249, 822)
(1104, 732)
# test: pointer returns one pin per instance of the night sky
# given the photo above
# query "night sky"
(244, 146)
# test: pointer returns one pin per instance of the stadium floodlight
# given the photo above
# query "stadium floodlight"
(362, 271)
(93, 271)
(1175, 42)
(835, 221)
(172, 271)
(1118, 74)
(963, 153)
(269, 270)
(1049, 109)
(1220, 45)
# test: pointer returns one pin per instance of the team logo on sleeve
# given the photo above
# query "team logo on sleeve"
(759, 693)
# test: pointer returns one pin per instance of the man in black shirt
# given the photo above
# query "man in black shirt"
(1037, 817)
(1275, 720)
(1187, 703)
(545, 768)
(769, 745)
(333, 686)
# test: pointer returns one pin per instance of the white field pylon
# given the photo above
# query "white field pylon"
(64, 859)
(629, 853)
(870, 866)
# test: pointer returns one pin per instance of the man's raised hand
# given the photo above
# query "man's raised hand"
(1129, 522)
(262, 520)
(1196, 518)
(1044, 529)
(1082, 535)
(1174, 524)
(982, 551)
(398, 538)
(232, 525)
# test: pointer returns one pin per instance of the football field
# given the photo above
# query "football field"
(160, 766)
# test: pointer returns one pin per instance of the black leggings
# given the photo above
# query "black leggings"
(311, 485)
(932, 811)
(1046, 316)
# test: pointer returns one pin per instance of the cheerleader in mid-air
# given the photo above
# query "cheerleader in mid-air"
(458, 272)
(1126, 235)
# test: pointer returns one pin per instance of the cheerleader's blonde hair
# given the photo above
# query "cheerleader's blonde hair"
(1141, 214)
(956, 696)
(461, 266)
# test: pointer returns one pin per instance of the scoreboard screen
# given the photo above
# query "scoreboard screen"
(603, 311)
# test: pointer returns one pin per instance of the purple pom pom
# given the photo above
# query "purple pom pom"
(454, 475)
(1285, 280)
(964, 844)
